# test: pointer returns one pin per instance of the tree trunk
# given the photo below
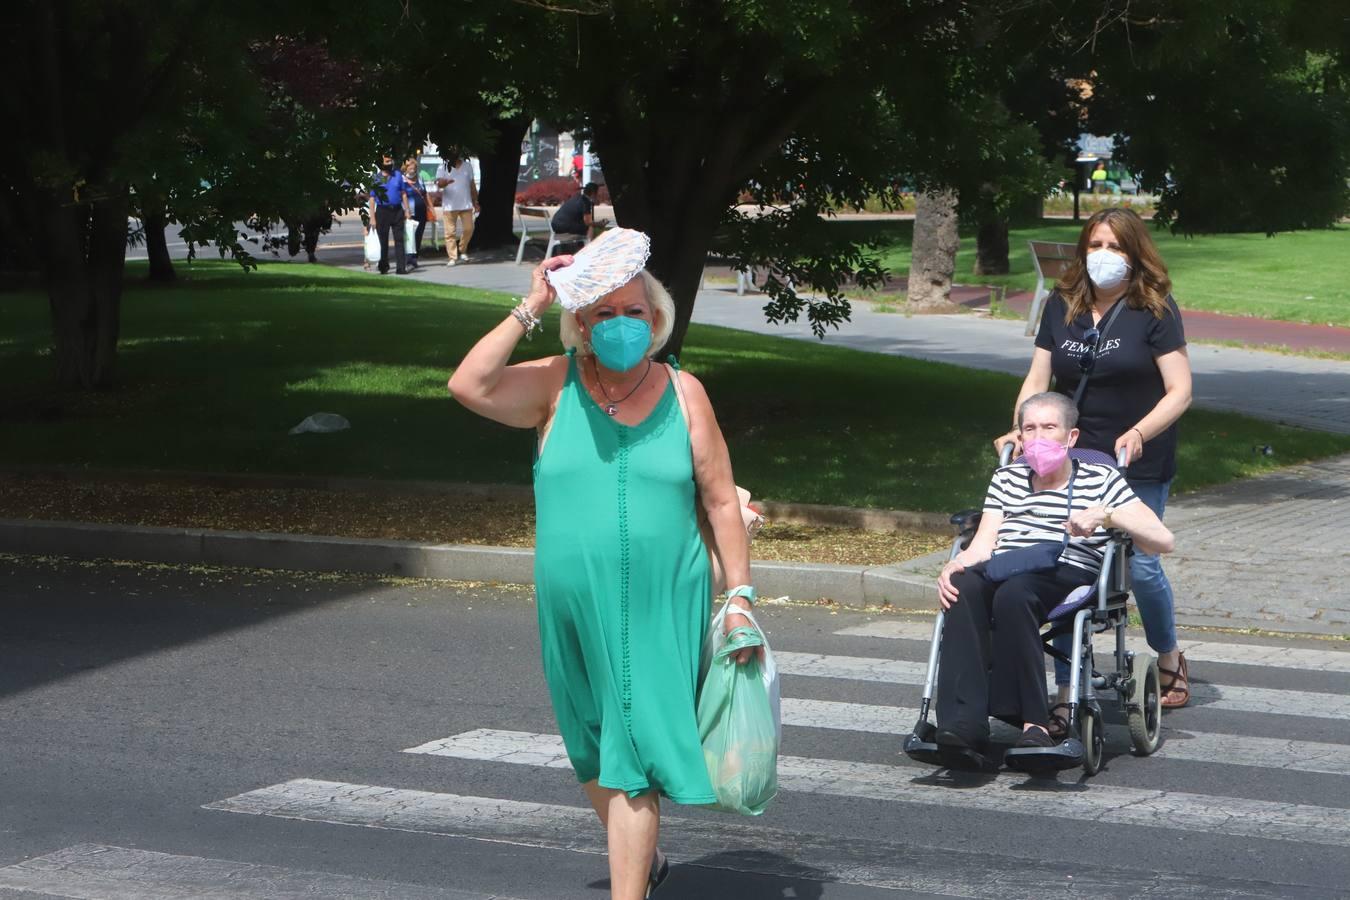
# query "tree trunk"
(933, 258)
(991, 247)
(677, 198)
(499, 169)
(84, 247)
(156, 246)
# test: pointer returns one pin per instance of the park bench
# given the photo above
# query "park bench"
(1050, 260)
(526, 214)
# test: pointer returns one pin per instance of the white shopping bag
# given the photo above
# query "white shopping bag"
(372, 246)
(717, 637)
(410, 235)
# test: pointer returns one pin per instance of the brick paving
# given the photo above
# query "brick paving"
(1209, 326)
(1266, 550)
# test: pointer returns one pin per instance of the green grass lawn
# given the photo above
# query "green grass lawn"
(1301, 276)
(214, 370)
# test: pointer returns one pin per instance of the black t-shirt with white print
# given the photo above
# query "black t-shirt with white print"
(1033, 517)
(1125, 383)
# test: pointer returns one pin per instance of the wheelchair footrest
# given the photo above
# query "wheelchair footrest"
(923, 751)
(922, 746)
(1067, 755)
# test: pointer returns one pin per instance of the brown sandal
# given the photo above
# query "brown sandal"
(1059, 723)
(1177, 692)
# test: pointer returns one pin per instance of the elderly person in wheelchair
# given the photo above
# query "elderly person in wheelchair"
(1041, 535)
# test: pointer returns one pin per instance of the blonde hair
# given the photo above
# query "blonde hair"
(1149, 283)
(663, 318)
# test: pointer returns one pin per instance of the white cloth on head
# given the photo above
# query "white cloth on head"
(604, 265)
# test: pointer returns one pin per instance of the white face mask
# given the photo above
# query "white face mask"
(1107, 269)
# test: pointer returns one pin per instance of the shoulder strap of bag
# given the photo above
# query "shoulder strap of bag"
(673, 370)
(1101, 336)
(1073, 470)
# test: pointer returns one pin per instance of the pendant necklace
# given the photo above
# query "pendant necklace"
(612, 407)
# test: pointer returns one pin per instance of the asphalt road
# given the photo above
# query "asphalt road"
(190, 732)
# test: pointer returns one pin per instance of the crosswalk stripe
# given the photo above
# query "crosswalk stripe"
(1003, 794)
(742, 845)
(1267, 655)
(1208, 696)
(100, 872)
(1228, 749)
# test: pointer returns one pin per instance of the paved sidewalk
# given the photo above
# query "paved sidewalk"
(1266, 550)
(1295, 390)
(1210, 326)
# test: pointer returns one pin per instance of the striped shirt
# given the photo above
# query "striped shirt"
(1032, 517)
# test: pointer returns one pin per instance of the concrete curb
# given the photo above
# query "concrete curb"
(849, 585)
(905, 586)
(788, 513)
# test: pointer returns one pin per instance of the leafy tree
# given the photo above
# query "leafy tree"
(801, 102)
(1235, 111)
(98, 77)
(202, 108)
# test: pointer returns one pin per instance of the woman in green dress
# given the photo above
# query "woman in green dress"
(628, 453)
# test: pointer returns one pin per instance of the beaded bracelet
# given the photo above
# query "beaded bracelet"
(528, 320)
(746, 591)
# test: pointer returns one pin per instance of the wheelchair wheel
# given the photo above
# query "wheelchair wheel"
(1144, 705)
(1093, 735)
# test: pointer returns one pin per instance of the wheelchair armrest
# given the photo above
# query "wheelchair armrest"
(1113, 582)
(967, 520)
(1120, 581)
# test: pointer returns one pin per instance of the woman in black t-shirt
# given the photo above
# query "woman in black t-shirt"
(1139, 384)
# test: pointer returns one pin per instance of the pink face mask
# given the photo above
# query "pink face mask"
(1045, 456)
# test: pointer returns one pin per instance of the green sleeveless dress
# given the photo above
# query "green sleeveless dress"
(624, 594)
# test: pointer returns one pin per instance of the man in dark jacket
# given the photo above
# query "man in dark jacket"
(576, 215)
(389, 208)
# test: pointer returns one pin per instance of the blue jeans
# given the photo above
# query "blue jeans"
(1152, 590)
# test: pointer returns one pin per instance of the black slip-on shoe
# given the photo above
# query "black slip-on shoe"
(959, 752)
(659, 873)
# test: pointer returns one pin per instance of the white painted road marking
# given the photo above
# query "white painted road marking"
(1225, 749)
(737, 844)
(1209, 696)
(1267, 655)
(1004, 794)
(98, 872)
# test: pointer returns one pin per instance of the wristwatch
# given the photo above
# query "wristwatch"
(1106, 520)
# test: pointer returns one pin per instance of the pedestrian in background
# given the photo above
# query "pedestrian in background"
(417, 197)
(389, 209)
(459, 203)
(577, 213)
(1099, 179)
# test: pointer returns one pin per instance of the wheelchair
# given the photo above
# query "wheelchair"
(1088, 610)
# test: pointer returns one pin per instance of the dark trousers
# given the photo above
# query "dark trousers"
(991, 662)
(417, 238)
(389, 218)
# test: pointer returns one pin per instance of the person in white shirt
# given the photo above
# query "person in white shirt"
(459, 203)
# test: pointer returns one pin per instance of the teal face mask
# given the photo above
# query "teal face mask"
(621, 343)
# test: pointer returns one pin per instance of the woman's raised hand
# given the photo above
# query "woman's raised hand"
(542, 294)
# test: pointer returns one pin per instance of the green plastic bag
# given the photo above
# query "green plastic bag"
(737, 726)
